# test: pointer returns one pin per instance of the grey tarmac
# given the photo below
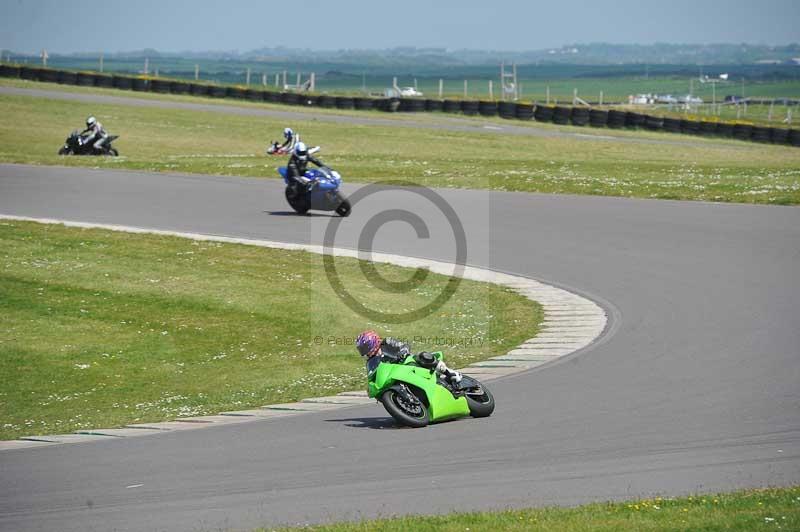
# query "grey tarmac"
(694, 387)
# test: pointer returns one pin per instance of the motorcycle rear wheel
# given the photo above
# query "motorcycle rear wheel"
(297, 201)
(405, 413)
(113, 151)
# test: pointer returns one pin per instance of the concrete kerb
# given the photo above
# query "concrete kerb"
(571, 323)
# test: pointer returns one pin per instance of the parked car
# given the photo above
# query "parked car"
(409, 91)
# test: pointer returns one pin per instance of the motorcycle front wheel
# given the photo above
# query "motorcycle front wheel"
(408, 413)
(343, 209)
(480, 400)
(64, 151)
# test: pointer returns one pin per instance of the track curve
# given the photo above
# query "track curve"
(697, 389)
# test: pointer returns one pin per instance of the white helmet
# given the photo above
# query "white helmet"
(288, 133)
(91, 121)
(300, 151)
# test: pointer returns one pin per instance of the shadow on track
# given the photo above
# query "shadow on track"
(306, 215)
(368, 422)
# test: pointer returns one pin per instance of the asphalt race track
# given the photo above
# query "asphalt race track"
(695, 386)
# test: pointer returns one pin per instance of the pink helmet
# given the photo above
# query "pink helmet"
(368, 344)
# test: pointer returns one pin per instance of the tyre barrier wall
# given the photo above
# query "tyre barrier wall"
(486, 108)
(598, 117)
(451, 106)
(433, 105)
(562, 115)
(411, 105)
(525, 111)
(71, 78)
(470, 107)
(507, 109)
(580, 116)
(106, 82)
(363, 104)
(346, 102)
(616, 119)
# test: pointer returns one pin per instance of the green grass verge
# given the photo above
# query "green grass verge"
(213, 143)
(762, 509)
(102, 328)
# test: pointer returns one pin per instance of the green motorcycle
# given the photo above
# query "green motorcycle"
(414, 395)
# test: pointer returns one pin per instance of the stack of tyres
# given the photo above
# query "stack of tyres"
(761, 134)
(104, 80)
(580, 116)
(598, 117)
(507, 109)
(653, 123)
(794, 137)
(290, 98)
(742, 131)
(236, 92)
(524, 111)
(141, 84)
(344, 102)
(49, 75)
(254, 95)
(672, 125)
(411, 105)
(363, 103)
(689, 127)
(198, 89)
(470, 107)
(66, 77)
(179, 87)
(326, 102)
(433, 105)
(543, 113)
(85, 79)
(616, 119)
(561, 115)
(29, 73)
(215, 91)
(725, 129)
(780, 135)
(451, 106)
(707, 128)
(159, 85)
(9, 71)
(272, 96)
(389, 105)
(487, 108)
(634, 120)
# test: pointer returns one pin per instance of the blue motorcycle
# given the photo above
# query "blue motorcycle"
(322, 194)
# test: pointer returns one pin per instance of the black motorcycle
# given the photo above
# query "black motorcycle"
(77, 145)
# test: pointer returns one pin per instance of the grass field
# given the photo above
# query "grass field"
(213, 143)
(745, 511)
(101, 328)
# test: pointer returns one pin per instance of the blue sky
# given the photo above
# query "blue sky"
(119, 25)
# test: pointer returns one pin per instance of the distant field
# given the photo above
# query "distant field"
(169, 140)
(615, 81)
